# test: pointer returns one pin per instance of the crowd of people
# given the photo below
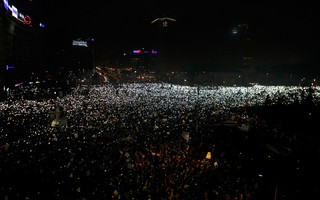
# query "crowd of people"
(134, 141)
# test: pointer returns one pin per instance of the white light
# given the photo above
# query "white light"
(234, 31)
(14, 12)
(80, 43)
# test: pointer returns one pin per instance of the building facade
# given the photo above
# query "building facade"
(142, 60)
(242, 47)
(22, 45)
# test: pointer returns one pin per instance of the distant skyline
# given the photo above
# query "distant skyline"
(281, 33)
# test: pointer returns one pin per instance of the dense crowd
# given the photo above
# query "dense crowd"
(133, 141)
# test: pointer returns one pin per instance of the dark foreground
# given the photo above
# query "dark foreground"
(276, 159)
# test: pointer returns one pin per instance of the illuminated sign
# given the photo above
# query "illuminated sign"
(80, 43)
(137, 51)
(10, 67)
(14, 12)
(6, 4)
(146, 52)
(27, 20)
(18, 84)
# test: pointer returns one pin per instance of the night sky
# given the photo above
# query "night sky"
(281, 33)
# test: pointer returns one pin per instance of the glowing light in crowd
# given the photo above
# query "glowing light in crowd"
(208, 156)
(18, 84)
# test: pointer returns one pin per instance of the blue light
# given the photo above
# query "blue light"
(6, 4)
(41, 25)
(10, 67)
(137, 51)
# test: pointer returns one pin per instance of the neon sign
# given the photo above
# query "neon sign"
(10, 67)
(137, 51)
(145, 52)
(25, 19)
(14, 12)
(80, 43)
(6, 4)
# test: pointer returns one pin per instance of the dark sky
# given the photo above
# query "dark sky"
(281, 33)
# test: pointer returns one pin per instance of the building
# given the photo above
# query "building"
(2, 52)
(142, 60)
(22, 49)
(81, 54)
(165, 40)
(242, 47)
